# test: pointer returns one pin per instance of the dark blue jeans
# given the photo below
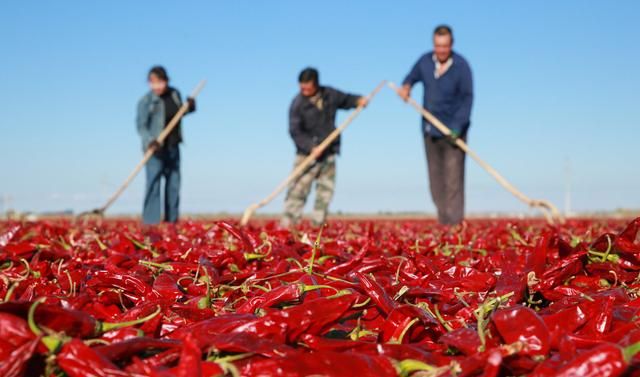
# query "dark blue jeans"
(164, 163)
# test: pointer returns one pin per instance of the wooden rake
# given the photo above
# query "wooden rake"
(550, 211)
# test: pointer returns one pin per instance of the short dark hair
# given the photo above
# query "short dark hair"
(309, 74)
(443, 30)
(159, 72)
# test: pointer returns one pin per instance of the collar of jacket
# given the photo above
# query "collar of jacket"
(174, 95)
(447, 64)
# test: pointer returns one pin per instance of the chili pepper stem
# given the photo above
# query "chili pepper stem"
(52, 343)
(358, 332)
(108, 326)
(296, 262)
(229, 369)
(359, 304)
(630, 351)
(162, 266)
(444, 323)
(307, 288)
(314, 250)
(27, 268)
(408, 366)
(329, 277)
(230, 358)
(12, 288)
(404, 331)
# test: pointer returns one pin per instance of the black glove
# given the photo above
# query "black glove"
(192, 104)
(154, 146)
(453, 137)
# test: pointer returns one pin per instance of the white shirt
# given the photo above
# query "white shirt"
(441, 68)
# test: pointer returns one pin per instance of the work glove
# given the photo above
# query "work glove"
(192, 104)
(453, 137)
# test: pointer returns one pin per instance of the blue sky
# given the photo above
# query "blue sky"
(556, 84)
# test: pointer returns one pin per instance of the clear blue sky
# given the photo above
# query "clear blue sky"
(555, 81)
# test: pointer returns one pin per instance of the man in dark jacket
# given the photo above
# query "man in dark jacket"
(312, 118)
(155, 111)
(448, 95)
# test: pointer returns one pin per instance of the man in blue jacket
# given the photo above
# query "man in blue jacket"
(155, 111)
(448, 95)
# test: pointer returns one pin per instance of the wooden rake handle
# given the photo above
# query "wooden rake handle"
(550, 211)
(308, 161)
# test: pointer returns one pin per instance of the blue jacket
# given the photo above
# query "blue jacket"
(150, 120)
(448, 98)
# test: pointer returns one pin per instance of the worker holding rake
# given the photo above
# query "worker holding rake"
(156, 109)
(448, 95)
(311, 119)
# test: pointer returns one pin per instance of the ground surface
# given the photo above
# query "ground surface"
(383, 297)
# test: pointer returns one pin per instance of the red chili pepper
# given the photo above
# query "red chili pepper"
(494, 361)
(71, 322)
(126, 349)
(521, 324)
(344, 268)
(537, 258)
(14, 329)
(601, 318)
(377, 293)
(320, 343)
(508, 282)
(607, 359)
(190, 360)
(249, 243)
(204, 330)
(238, 342)
(285, 294)
(322, 363)
(564, 321)
(464, 340)
(129, 283)
(407, 322)
(78, 360)
(310, 317)
(16, 362)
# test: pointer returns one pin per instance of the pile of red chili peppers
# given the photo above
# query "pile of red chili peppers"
(356, 298)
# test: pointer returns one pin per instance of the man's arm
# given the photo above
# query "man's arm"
(349, 101)
(462, 115)
(414, 76)
(302, 140)
(190, 101)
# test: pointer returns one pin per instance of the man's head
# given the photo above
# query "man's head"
(158, 79)
(442, 42)
(309, 82)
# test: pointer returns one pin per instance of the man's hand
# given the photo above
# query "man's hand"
(405, 92)
(192, 103)
(453, 137)
(154, 146)
(316, 153)
(363, 102)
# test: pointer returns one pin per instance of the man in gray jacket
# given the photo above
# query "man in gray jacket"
(155, 111)
(312, 118)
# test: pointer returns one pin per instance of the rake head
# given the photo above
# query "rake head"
(248, 213)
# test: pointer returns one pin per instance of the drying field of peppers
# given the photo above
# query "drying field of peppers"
(357, 298)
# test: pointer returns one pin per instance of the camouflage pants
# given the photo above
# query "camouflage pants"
(324, 174)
